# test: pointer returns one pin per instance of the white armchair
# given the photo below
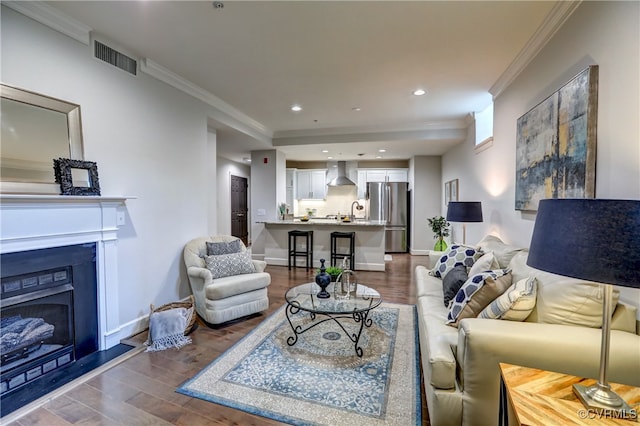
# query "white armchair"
(223, 299)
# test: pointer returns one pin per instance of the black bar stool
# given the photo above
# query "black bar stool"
(335, 254)
(308, 249)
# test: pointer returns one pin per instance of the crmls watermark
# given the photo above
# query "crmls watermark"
(593, 414)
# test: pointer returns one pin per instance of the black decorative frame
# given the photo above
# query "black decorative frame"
(62, 168)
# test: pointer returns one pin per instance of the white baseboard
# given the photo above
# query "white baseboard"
(126, 330)
(415, 252)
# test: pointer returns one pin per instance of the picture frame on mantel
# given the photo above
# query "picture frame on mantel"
(556, 144)
(76, 177)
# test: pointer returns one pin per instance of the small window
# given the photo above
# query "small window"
(484, 125)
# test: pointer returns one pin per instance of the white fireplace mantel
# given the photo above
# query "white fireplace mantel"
(30, 222)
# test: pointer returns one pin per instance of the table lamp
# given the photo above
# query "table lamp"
(464, 211)
(598, 241)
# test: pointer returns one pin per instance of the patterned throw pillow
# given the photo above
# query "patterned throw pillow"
(452, 282)
(226, 265)
(515, 304)
(223, 247)
(457, 255)
(477, 293)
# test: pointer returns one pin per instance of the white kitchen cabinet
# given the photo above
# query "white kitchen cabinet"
(362, 184)
(291, 177)
(311, 184)
(376, 175)
(291, 188)
(397, 175)
(379, 175)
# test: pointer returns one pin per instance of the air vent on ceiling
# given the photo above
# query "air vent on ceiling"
(115, 58)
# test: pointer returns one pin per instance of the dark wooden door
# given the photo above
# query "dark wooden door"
(239, 209)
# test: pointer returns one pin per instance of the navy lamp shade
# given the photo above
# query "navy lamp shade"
(464, 211)
(593, 240)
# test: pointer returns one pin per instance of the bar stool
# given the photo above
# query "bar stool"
(335, 254)
(308, 249)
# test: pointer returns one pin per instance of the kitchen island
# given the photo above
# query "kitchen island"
(369, 253)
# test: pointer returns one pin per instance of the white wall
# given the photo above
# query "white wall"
(426, 200)
(268, 182)
(212, 187)
(602, 33)
(227, 168)
(148, 139)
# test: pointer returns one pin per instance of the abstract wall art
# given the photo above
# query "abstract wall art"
(556, 144)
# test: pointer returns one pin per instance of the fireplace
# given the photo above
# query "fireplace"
(49, 312)
(59, 292)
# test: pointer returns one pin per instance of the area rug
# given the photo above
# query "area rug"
(320, 380)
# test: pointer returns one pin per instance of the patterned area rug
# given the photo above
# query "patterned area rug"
(320, 380)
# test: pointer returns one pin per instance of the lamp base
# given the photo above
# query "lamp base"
(601, 398)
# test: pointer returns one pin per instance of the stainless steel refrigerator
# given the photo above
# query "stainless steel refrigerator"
(388, 202)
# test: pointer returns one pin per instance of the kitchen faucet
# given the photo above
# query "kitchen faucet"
(358, 207)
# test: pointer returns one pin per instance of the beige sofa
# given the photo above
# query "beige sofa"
(460, 365)
(227, 298)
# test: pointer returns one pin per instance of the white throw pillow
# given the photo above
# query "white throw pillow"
(503, 252)
(487, 262)
(515, 304)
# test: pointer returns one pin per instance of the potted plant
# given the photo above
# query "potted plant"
(440, 228)
(334, 271)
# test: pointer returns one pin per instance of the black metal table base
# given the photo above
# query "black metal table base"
(359, 317)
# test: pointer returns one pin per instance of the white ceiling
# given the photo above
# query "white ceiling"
(259, 58)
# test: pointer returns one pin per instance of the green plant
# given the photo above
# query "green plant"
(440, 228)
(334, 271)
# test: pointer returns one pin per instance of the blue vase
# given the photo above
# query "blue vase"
(323, 280)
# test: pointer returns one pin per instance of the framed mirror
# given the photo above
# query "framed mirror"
(35, 130)
(77, 177)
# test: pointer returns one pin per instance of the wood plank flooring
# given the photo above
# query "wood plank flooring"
(141, 390)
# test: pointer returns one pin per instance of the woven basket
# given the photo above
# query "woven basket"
(188, 304)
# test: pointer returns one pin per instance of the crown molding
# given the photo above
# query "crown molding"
(167, 76)
(58, 21)
(52, 18)
(552, 23)
(451, 134)
(374, 129)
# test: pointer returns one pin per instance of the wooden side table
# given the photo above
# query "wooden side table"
(539, 397)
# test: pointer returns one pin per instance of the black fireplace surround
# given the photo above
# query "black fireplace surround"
(49, 324)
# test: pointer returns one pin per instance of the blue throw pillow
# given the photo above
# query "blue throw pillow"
(452, 282)
(457, 255)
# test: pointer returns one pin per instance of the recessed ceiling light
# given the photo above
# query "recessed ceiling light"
(378, 156)
(329, 158)
(356, 109)
(325, 151)
(382, 150)
(247, 159)
(296, 108)
(419, 92)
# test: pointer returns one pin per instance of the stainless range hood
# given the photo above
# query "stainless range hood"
(341, 179)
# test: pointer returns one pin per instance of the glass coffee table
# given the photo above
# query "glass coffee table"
(356, 308)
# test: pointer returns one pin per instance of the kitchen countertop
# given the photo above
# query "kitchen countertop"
(323, 221)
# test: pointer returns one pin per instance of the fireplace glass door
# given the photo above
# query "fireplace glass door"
(36, 335)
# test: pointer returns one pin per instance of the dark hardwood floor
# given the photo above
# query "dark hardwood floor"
(141, 390)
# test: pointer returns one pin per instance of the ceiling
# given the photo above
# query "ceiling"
(351, 65)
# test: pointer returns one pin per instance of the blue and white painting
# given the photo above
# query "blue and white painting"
(556, 142)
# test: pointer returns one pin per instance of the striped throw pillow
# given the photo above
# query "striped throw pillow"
(515, 304)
